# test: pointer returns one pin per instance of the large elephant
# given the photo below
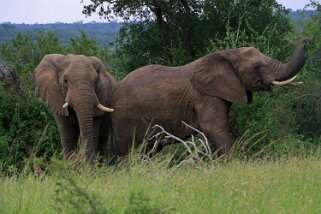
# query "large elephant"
(77, 88)
(199, 93)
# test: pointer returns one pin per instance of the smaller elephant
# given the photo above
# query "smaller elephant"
(77, 88)
(199, 93)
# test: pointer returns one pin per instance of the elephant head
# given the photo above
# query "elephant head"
(75, 83)
(233, 74)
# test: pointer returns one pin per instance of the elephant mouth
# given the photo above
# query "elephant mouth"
(265, 86)
(262, 87)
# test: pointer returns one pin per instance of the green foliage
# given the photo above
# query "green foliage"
(181, 31)
(256, 23)
(25, 123)
(102, 32)
(284, 186)
(71, 197)
(83, 45)
(312, 29)
(140, 203)
(130, 41)
(25, 54)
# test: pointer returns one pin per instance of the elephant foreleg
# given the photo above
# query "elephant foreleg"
(69, 134)
(213, 120)
(100, 135)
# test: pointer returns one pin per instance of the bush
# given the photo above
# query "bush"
(25, 124)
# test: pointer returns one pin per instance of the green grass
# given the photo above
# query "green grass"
(287, 186)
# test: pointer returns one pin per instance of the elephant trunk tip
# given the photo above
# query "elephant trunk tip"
(306, 42)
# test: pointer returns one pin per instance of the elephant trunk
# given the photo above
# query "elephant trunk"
(290, 69)
(84, 106)
(87, 134)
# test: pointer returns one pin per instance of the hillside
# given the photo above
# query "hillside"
(102, 32)
(299, 17)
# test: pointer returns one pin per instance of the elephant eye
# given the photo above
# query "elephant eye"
(259, 82)
(65, 80)
(256, 66)
(96, 80)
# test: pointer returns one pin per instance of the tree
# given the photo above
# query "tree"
(179, 31)
(24, 52)
(312, 29)
(83, 45)
(172, 17)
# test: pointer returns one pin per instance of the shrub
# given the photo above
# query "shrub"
(25, 124)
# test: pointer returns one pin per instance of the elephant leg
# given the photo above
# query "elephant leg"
(69, 133)
(101, 132)
(212, 115)
(124, 132)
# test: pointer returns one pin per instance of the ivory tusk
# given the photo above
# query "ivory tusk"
(65, 105)
(283, 82)
(295, 83)
(103, 108)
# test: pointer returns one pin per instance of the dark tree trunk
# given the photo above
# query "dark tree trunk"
(166, 31)
(168, 34)
(188, 31)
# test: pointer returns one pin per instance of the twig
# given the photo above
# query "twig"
(192, 147)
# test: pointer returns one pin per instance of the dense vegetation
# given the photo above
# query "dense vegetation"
(286, 186)
(285, 120)
(102, 32)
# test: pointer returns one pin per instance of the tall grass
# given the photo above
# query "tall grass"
(288, 186)
(192, 183)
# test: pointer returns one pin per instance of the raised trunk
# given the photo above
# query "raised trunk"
(291, 68)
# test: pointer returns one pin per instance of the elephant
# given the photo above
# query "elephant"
(77, 88)
(199, 93)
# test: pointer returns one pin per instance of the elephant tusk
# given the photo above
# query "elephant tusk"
(283, 82)
(295, 83)
(103, 108)
(65, 105)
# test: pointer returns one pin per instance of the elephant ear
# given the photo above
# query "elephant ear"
(215, 76)
(46, 82)
(105, 85)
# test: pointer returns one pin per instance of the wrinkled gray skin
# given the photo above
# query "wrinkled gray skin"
(82, 82)
(199, 93)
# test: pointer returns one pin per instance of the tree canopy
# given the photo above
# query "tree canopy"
(176, 32)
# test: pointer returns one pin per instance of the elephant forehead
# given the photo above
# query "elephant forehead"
(80, 66)
(250, 53)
